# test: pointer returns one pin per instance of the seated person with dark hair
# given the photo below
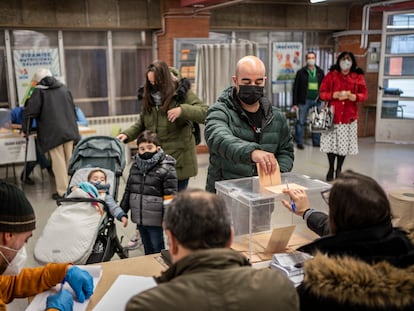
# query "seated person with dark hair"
(206, 274)
(361, 261)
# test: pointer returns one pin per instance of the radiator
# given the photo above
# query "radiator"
(110, 126)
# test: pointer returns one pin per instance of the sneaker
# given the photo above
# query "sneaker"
(300, 146)
(135, 242)
(27, 181)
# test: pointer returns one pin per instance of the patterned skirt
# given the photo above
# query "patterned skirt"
(343, 140)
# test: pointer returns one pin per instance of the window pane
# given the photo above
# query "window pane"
(87, 78)
(30, 39)
(131, 38)
(404, 85)
(397, 109)
(94, 108)
(84, 38)
(400, 44)
(400, 22)
(129, 69)
(399, 66)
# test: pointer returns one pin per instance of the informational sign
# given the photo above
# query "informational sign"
(287, 60)
(26, 62)
(13, 148)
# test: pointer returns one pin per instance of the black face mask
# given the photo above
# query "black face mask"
(250, 94)
(147, 155)
(154, 88)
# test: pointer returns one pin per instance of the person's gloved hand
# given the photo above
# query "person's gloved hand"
(81, 282)
(89, 188)
(62, 301)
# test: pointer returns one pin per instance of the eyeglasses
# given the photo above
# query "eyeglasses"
(325, 195)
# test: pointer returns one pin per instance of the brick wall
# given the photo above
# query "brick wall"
(352, 43)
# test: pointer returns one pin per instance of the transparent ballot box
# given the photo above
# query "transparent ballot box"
(261, 223)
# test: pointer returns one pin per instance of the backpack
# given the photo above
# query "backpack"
(183, 86)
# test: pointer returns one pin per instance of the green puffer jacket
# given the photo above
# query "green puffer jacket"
(177, 137)
(217, 279)
(231, 139)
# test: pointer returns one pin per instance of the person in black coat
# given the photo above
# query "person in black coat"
(305, 96)
(51, 104)
(361, 261)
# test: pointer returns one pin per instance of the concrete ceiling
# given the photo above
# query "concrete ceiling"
(212, 4)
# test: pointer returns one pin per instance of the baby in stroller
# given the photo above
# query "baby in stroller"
(82, 229)
(97, 187)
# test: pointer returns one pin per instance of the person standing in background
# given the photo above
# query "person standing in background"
(41, 159)
(168, 109)
(51, 104)
(344, 87)
(305, 96)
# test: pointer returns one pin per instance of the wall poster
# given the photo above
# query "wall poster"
(286, 60)
(26, 62)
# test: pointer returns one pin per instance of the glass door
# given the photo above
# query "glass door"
(395, 107)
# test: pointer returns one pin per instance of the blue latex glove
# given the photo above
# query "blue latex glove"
(62, 301)
(89, 188)
(81, 282)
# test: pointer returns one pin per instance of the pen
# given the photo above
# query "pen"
(292, 203)
(62, 283)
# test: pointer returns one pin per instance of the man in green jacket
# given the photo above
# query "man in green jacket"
(243, 128)
(205, 273)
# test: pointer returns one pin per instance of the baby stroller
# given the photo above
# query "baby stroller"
(76, 232)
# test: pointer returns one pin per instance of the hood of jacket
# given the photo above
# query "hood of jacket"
(49, 82)
(351, 281)
(201, 260)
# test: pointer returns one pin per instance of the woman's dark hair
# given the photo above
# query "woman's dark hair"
(164, 83)
(198, 220)
(357, 201)
(354, 67)
(148, 136)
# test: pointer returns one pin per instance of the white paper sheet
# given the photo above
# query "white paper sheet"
(39, 302)
(124, 287)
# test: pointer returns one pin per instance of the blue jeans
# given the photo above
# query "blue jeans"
(300, 124)
(182, 184)
(152, 238)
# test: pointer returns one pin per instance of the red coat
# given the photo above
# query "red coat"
(345, 111)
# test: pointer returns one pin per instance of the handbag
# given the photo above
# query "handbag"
(322, 119)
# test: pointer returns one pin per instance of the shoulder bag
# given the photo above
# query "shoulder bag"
(322, 118)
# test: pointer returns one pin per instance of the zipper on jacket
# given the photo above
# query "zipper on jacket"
(142, 194)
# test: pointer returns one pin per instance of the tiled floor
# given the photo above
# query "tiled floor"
(392, 165)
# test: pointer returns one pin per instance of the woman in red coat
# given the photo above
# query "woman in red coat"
(344, 87)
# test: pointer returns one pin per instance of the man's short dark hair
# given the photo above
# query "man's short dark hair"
(198, 220)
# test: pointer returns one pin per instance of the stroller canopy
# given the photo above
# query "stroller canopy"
(98, 151)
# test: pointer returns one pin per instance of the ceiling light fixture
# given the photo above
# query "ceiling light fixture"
(316, 1)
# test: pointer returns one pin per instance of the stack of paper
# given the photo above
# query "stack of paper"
(39, 302)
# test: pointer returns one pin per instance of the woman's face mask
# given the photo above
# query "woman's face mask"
(16, 265)
(345, 64)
